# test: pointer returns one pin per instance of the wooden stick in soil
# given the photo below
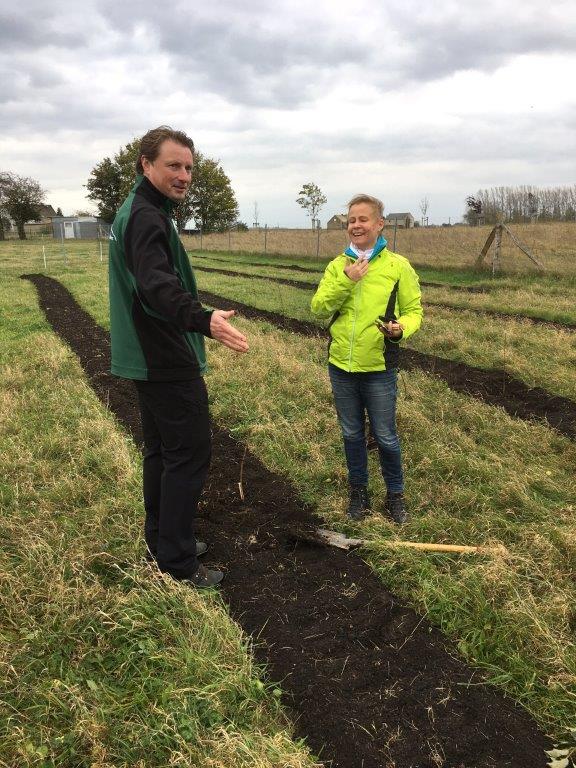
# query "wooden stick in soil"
(240, 486)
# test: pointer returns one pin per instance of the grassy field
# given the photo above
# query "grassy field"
(554, 245)
(513, 344)
(72, 582)
(102, 662)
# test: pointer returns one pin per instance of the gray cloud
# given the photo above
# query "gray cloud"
(241, 56)
(36, 26)
(249, 81)
(440, 40)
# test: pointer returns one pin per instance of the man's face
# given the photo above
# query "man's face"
(171, 172)
(364, 225)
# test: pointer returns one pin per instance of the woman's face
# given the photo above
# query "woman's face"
(364, 225)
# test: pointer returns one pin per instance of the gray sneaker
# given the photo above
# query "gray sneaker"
(204, 578)
(395, 508)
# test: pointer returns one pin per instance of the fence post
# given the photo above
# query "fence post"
(200, 238)
(496, 251)
(395, 228)
(265, 238)
(62, 242)
(318, 242)
(229, 240)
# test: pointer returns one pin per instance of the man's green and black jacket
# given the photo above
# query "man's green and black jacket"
(157, 324)
(390, 290)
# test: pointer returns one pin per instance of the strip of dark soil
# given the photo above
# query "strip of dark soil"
(489, 385)
(280, 280)
(305, 286)
(367, 681)
(467, 288)
(294, 268)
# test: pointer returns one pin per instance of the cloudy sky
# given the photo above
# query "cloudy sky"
(400, 99)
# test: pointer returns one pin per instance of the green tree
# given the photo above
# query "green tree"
(210, 201)
(474, 210)
(4, 181)
(312, 200)
(104, 188)
(21, 200)
(59, 211)
(111, 180)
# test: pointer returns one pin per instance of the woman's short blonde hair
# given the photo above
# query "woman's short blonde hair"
(378, 205)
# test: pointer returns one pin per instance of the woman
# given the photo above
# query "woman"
(373, 297)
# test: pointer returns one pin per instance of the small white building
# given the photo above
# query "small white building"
(79, 228)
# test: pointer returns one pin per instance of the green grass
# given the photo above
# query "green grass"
(102, 661)
(527, 351)
(474, 476)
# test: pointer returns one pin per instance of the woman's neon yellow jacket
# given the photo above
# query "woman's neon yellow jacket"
(389, 290)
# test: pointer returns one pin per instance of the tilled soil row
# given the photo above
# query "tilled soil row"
(296, 268)
(491, 386)
(366, 680)
(305, 286)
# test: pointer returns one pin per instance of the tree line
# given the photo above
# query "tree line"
(521, 204)
(210, 199)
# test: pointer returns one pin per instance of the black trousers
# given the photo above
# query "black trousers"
(177, 450)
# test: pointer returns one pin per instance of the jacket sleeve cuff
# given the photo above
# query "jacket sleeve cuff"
(204, 325)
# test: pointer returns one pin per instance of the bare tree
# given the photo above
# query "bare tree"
(424, 210)
(312, 200)
(527, 204)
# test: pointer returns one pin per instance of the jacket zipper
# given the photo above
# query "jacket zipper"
(357, 290)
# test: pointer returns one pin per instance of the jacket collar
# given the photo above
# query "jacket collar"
(145, 188)
(379, 246)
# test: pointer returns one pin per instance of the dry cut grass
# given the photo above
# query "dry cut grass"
(439, 247)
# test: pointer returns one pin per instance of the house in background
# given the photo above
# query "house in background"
(338, 221)
(41, 227)
(404, 220)
(79, 228)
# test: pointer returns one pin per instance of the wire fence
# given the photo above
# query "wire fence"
(458, 247)
(455, 247)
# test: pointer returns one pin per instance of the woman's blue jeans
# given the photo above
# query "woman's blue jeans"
(356, 394)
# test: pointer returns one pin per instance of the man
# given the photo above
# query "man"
(157, 329)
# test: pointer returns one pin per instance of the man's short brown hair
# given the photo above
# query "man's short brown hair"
(152, 141)
(378, 205)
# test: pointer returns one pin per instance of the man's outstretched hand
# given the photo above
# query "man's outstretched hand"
(225, 333)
